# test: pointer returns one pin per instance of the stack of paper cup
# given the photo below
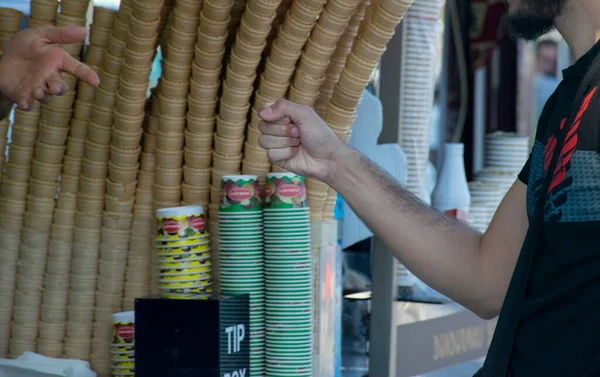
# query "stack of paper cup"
(241, 256)
(183, 249)
(506, 151)
(288, 277)
(122, 349)
(338, 59)
(10, 23)
(485, 199)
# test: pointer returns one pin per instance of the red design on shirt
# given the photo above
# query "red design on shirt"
(569, 146)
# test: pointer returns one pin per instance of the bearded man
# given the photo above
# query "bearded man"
(538, 264)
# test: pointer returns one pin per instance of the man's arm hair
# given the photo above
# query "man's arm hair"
(450, 256)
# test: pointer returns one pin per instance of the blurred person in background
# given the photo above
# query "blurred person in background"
(546, 80)
(538, 264)
(32, 63)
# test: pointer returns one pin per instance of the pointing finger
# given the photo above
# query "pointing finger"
(64, 35)
(80, 70)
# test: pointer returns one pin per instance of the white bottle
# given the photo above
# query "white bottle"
(451, 195)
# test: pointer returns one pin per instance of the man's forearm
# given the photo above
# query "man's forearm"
(443, 252)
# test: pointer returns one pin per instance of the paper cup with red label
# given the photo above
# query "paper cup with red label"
(124, 329)
(285, 191)
(240, 193)
(181, 223)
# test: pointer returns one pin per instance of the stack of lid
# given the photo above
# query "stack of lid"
(506, 151)
(503, 178)
(242, 256)
(421, 35)
(183, 249)
(288, 277)
(122, 349)
(485, 199)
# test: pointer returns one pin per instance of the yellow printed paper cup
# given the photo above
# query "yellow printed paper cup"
(180, 223)
(124, 329)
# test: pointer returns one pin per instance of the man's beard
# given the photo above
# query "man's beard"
(533, 19)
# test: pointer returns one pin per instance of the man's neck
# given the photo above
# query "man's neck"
(580, 25)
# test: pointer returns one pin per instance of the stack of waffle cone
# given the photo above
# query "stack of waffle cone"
(164, 22)
(144, 220)
(376, 31)
(137, 274)
(43, 184)
(12, 210)
(283, 55)
(319, 50)
(88, 152)
(123, 168)
(338, 60)
(215, 20)
(42, 12)
(173, 91)
(10, 23)
(56, 282)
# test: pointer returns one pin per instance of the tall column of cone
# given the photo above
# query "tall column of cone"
(165, 12)
(43, 184)
(376, 31)
(310, 74)
(89, 199)
(123, 170)
(205, 82)
(146, 183)
(236, 17)
(318, 51)
(172, 103)
(138, 273)
(42, 12)
(338, 60)
(58, 265)
(12, 213)
(10, 23)
(284, 53)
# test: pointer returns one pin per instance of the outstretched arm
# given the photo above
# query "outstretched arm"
(471, 268)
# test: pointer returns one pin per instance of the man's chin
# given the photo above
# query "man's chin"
(526, 27)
